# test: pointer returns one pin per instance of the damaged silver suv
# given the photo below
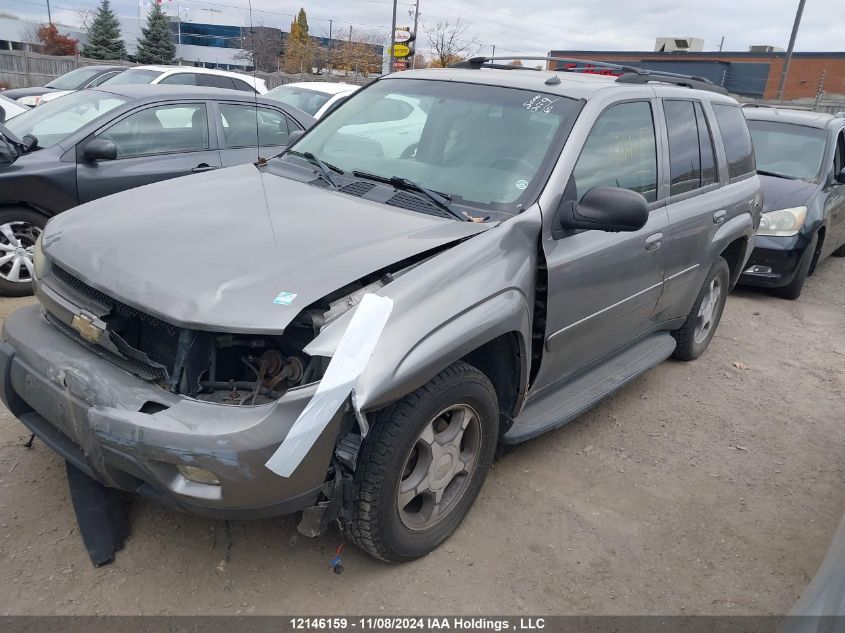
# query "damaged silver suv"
(451, 259)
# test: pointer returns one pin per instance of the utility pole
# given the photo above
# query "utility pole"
(49, 15)
(722, 44)
(393, 34)
(788, 57)
(416, 22)
(494, 50)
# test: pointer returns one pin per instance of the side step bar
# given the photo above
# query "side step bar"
(573, 398)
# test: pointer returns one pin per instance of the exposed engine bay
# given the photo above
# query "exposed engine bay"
(233, 369)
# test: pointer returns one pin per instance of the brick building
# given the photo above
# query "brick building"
(750, 74)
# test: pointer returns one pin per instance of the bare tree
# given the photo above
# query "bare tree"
(449, 42)
(261, 48)
(85, 15)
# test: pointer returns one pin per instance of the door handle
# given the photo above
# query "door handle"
(203, 167)
(653, 242)
(719, 216)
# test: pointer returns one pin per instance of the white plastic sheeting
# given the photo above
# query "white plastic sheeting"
(348, 363)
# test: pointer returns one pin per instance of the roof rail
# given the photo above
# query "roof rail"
(630, 74)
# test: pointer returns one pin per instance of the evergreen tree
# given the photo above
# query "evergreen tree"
(299, 52)
(104, 41)
(155, 46)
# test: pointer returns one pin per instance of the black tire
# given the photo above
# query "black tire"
(689, 347)
(793, 290)
(376, 526)
(839, 252)
(19, 217)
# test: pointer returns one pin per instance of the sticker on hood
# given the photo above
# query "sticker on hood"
(284, 298)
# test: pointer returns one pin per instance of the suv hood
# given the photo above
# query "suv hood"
(783, 193)
(215, 251)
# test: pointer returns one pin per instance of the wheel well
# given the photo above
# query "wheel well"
(25, 205)
(822, 232)
(733, 254)
(499, 360)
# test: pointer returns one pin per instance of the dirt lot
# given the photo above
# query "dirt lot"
(700, 488)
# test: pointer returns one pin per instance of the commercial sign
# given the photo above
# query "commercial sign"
(402, 50)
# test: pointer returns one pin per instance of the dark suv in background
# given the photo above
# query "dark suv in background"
(801, 163)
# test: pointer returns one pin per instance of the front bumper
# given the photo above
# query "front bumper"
(774, 261)
(128, 433)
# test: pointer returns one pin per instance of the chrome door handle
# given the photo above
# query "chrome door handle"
(719, 216)
(653, 242)
(203, 167)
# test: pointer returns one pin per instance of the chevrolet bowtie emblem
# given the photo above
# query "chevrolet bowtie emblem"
(86, 327)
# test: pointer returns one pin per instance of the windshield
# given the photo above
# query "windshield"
(132, 77)
(306, 100)
(485, 146)
(55, 120)
(786, 149)
(74, 80)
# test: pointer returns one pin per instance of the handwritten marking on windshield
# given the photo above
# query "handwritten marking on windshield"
(540, 104)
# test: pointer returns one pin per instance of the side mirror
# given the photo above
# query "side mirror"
(294, 136)
(610, 209)
(840, 177)
(99, 149)
(2, 115)
(29, 142)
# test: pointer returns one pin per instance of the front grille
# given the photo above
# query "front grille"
(155, 338)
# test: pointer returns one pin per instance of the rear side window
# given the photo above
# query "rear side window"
(736, 138)
(684, 150)
(620, 151)
(708, 152)
(181, 79)
(240, 84)
(215, 81)
(247, 126)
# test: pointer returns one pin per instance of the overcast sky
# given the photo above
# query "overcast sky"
(536, 26)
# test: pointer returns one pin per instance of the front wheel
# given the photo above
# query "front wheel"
(19, 228)
(423, 464)
(695, 334)
(793, 290)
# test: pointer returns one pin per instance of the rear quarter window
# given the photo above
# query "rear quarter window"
(736, 138)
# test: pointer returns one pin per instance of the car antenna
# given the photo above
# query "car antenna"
(259, 160)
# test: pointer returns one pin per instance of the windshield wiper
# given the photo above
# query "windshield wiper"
(439, 199)
(323, 167)
(763, 172)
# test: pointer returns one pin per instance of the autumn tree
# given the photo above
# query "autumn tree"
(104, 40)
(299, 49)
(449, 42)
(362, 53)
(54, 43)
(155, 46)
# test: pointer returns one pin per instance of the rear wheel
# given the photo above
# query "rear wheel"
(697, 331)
(19, 228)
(423, 463)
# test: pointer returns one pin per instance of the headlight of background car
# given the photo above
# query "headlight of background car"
(40, 262)
(783, 222)
(31, 100)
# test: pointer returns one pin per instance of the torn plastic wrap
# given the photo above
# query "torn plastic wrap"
(347, 364)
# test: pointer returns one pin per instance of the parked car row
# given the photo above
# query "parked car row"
(449, 260)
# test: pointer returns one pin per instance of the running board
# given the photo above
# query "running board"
(583, 392)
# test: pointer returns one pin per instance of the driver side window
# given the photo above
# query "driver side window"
(620, 151)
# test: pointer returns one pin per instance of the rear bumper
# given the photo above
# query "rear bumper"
(774, 261)
(90, 411)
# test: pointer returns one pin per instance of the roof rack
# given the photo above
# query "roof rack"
(630, 74)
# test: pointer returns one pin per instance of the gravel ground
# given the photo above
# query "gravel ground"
(708, 487)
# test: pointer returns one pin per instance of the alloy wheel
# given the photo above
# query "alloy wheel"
(439, 467)
(707, 311)
(17, 246)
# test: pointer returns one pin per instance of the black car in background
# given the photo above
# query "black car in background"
(93, 143)
(77, 79)
(801, 163)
